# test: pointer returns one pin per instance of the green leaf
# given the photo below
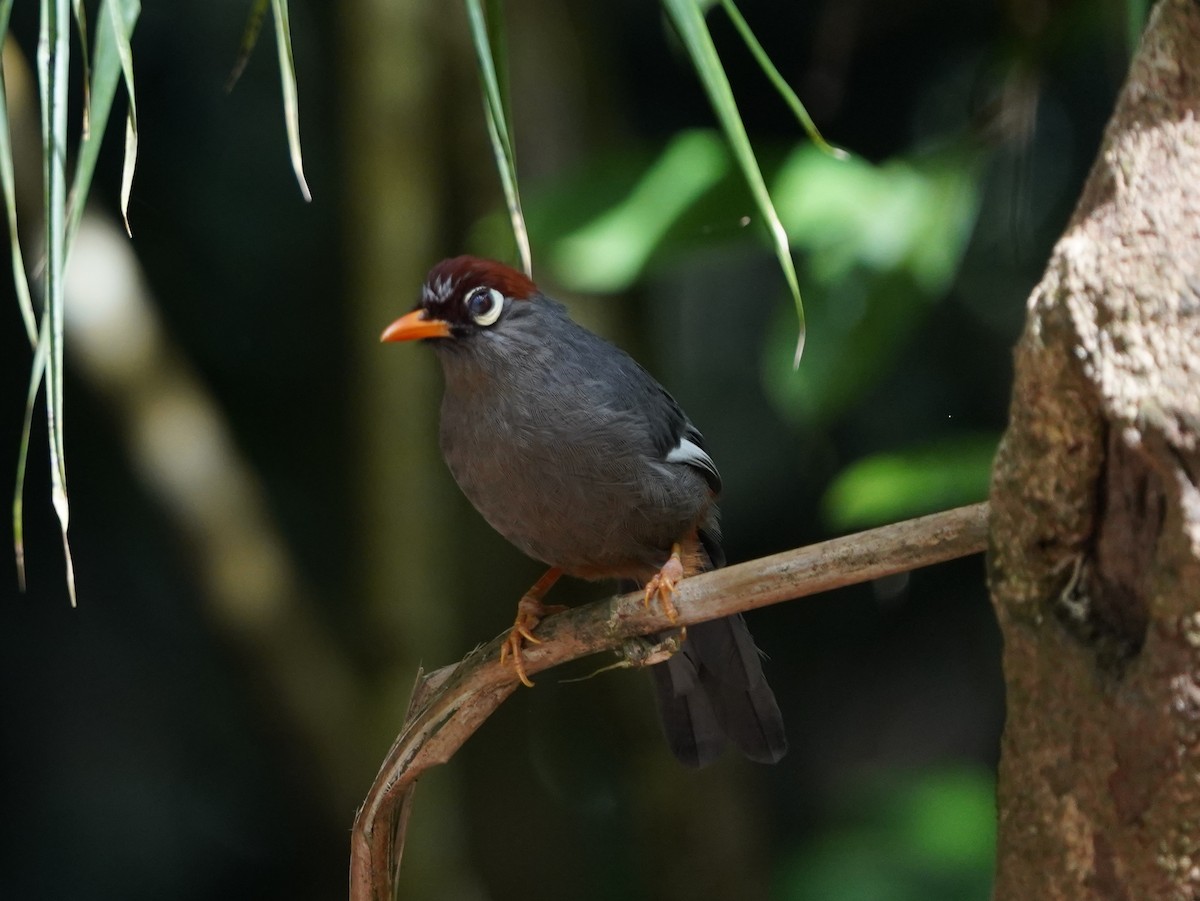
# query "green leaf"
(25, 303)
(609, 253)
(122, 16)
(112, 57)
(287, 78)
(287, 75)
(693, 31)
(487, 34)
(54, 47)
(8, 185)
(781, 85)
(897, 485)
(81, 27)
(113, 31)
(35, 381)
(250, 33)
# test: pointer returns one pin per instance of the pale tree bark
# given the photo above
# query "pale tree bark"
(1095, 544)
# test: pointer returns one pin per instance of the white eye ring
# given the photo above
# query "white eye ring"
(485, 305)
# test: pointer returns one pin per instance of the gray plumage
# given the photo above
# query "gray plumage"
(568, 462)
(575, 454)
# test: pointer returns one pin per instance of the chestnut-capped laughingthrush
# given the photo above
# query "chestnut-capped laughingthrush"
(576, 455)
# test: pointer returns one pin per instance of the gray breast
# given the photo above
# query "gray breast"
(567, 478)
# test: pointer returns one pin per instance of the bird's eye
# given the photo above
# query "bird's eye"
(484, 305)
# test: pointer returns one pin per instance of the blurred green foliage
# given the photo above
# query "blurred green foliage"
(609, 252)
(882, 243)
(923, 837)
(887, 487)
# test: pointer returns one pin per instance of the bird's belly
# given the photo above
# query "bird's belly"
(594, 515)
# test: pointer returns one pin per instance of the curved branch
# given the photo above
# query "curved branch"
(450, 703)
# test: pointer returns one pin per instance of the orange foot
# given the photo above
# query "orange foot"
(663, 584)
(530, 612)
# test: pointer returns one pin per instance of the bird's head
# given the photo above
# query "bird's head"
(462, 297)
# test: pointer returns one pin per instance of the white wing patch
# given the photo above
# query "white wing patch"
(692, 454)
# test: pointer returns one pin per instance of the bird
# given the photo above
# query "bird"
(582, 460)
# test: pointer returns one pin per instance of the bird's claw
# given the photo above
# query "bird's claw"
(530, 612)
(662, 585)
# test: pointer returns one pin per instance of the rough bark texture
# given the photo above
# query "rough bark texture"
(1095, 545)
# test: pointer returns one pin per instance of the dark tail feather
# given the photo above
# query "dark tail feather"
(714, 689)
(689, 723)
(731, 676)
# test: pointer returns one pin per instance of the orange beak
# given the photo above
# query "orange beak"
(413, 326)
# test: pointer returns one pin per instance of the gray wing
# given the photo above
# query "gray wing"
(625, 386)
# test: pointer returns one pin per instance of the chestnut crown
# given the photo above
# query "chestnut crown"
(467, 292)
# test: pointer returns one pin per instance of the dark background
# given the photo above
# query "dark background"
(204, 723)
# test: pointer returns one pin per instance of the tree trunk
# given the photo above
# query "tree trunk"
(1095, 547)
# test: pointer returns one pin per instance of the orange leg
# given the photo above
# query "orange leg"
(530, 612)
(663, 584)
